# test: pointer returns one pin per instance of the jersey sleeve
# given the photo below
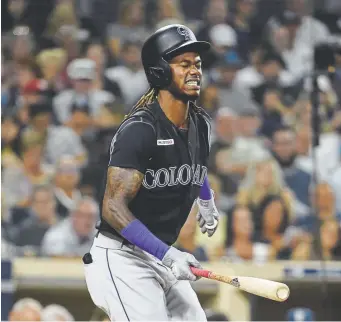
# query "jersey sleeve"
(132, 145)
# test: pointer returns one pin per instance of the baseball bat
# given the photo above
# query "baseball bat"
(261, 287)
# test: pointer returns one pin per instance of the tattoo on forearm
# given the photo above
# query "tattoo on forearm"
(122, 186)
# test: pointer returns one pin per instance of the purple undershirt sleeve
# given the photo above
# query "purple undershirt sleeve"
(205, 192)
(138, 234)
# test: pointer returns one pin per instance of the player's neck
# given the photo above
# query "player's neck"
(175, 110)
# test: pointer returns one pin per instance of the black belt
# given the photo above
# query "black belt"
(123, 241)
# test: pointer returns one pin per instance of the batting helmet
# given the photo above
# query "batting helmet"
(164, 44)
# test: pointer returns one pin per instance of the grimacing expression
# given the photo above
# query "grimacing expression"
(186, 75)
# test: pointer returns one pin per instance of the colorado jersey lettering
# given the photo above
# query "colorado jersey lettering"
(174, 176)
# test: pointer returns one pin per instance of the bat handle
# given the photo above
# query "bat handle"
(200, 272)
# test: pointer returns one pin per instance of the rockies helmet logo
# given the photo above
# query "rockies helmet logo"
(184, 32)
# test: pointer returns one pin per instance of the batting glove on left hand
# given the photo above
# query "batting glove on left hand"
(207, 216)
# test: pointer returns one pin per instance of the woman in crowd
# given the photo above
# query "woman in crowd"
(264, 178)
(239, 242)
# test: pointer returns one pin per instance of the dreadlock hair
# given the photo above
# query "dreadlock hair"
(149, 97)
(145, 100)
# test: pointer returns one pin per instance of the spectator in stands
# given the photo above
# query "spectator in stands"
(273, 217)
(24, 72)
(66, 182)
(330, 241)
(34, 91)
(298, 57)
(168, 12)
(265, 68)
(274, 111)
(283, 148)
(248, 145)
(326, 153)
(82, 96)
(250, 75)
(40, 217)
(242, 23)
(56, 312)
(223, 38)
(52, 63)
(264, 180)
(220, 155)
(323, 200)
(130, 73)
(311, 31)
(97, 53)
(131, 23)
(273, 74)
(10, 141)
(26, 309)
(223, 76)
(19, 180)
(58, 140)
(22, 43)
(73, 236)
(239, 242)
(215, 13)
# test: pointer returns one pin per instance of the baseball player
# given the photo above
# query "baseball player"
(157, 170)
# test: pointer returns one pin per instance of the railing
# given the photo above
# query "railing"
(61, 281)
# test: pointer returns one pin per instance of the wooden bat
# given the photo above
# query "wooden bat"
(261, 287)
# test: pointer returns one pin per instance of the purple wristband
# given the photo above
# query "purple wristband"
(205, 192)
(138, 234)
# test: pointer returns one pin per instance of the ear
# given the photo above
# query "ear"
(156, 72)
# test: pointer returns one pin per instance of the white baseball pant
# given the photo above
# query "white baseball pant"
(132, 285)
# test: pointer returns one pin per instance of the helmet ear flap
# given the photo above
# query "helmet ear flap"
(160, 75)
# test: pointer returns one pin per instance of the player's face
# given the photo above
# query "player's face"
(187, 75)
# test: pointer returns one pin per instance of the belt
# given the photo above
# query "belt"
(123, 241)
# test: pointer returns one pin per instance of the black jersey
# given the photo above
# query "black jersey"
(174, 167)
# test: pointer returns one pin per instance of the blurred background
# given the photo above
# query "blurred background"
(71, 70)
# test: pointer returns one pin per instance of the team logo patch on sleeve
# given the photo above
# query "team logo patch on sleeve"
(165, 142)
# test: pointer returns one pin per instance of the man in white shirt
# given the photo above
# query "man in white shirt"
(82, 96)
(311, 31)
(74, 235)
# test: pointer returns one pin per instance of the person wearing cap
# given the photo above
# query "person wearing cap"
(58, 140)
(82, 96)
(157, 170)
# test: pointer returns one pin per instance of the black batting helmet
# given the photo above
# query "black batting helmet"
(164, 44)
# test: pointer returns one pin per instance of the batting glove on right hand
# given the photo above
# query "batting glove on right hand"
(180, 262)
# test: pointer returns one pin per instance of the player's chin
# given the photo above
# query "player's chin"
(192, 94)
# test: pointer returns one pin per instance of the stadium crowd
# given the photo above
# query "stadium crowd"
(71, 70)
